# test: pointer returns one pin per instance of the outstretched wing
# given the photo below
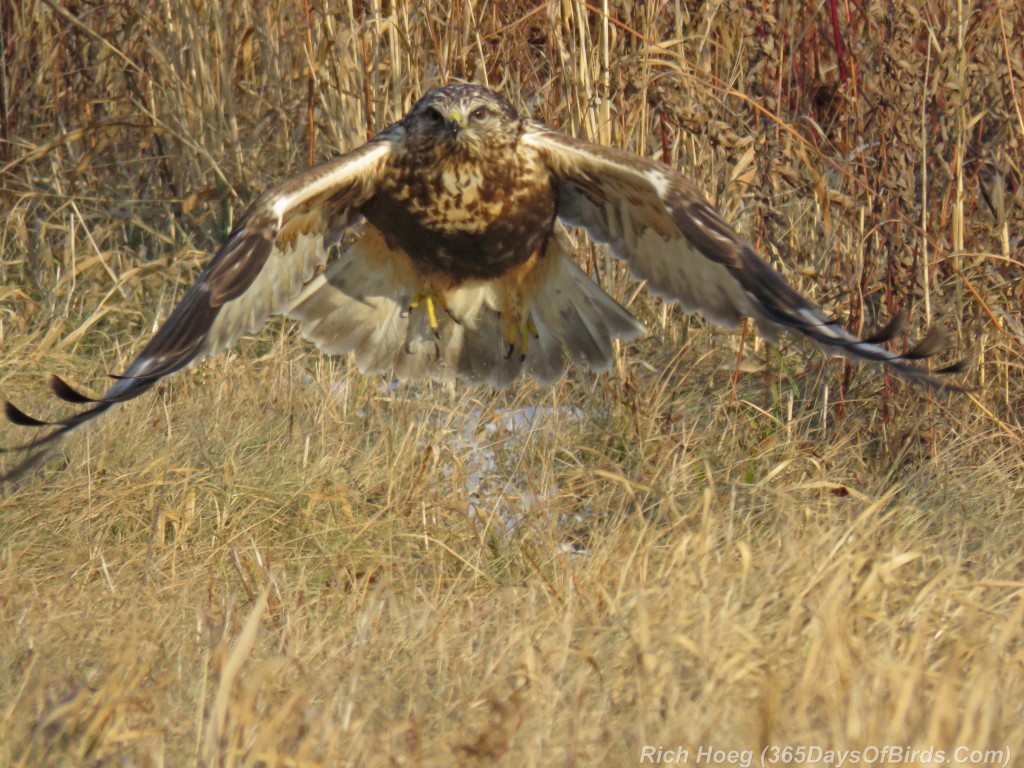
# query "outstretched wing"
(260, 268)
(655, 219)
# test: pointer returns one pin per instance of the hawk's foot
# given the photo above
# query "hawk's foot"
(432, 301)
(519, 334)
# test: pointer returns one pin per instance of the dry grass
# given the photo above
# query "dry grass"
(274, 561)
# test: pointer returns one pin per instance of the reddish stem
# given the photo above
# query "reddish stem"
(838, 39)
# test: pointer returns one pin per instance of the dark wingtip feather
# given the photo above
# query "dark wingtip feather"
(934, 341)
(67, 393)
(62, 427)
(125, 389)
(17, 416)
(897, 325)
(960, 366)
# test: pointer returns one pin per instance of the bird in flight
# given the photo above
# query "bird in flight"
(438, 250)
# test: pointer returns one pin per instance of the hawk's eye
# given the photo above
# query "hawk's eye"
(432, 115)
(479, 113)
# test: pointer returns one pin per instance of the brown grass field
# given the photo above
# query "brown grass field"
(274, 561)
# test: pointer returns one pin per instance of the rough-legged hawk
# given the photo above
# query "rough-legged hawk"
(456, 264)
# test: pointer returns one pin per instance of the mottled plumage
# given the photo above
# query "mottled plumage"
(458, 266)
(460, 200)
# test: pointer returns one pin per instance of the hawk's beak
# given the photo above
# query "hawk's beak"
(455, 122)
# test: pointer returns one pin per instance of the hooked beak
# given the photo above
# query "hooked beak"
(455, 122)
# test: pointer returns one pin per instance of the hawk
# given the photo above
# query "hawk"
(454, 263)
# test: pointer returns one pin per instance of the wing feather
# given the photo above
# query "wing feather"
(656, 220)
(258, 270)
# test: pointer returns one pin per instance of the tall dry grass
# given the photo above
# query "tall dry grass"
(275, 561)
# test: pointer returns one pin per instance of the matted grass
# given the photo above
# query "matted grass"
(272, 560)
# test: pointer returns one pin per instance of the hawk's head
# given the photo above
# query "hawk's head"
(462, 120)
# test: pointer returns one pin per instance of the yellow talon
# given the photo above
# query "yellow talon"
(526, 332)
(429, 300)
(432, 316)
(519, 333)
(510, 339)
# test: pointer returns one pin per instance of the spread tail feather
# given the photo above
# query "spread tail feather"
(369, 302)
